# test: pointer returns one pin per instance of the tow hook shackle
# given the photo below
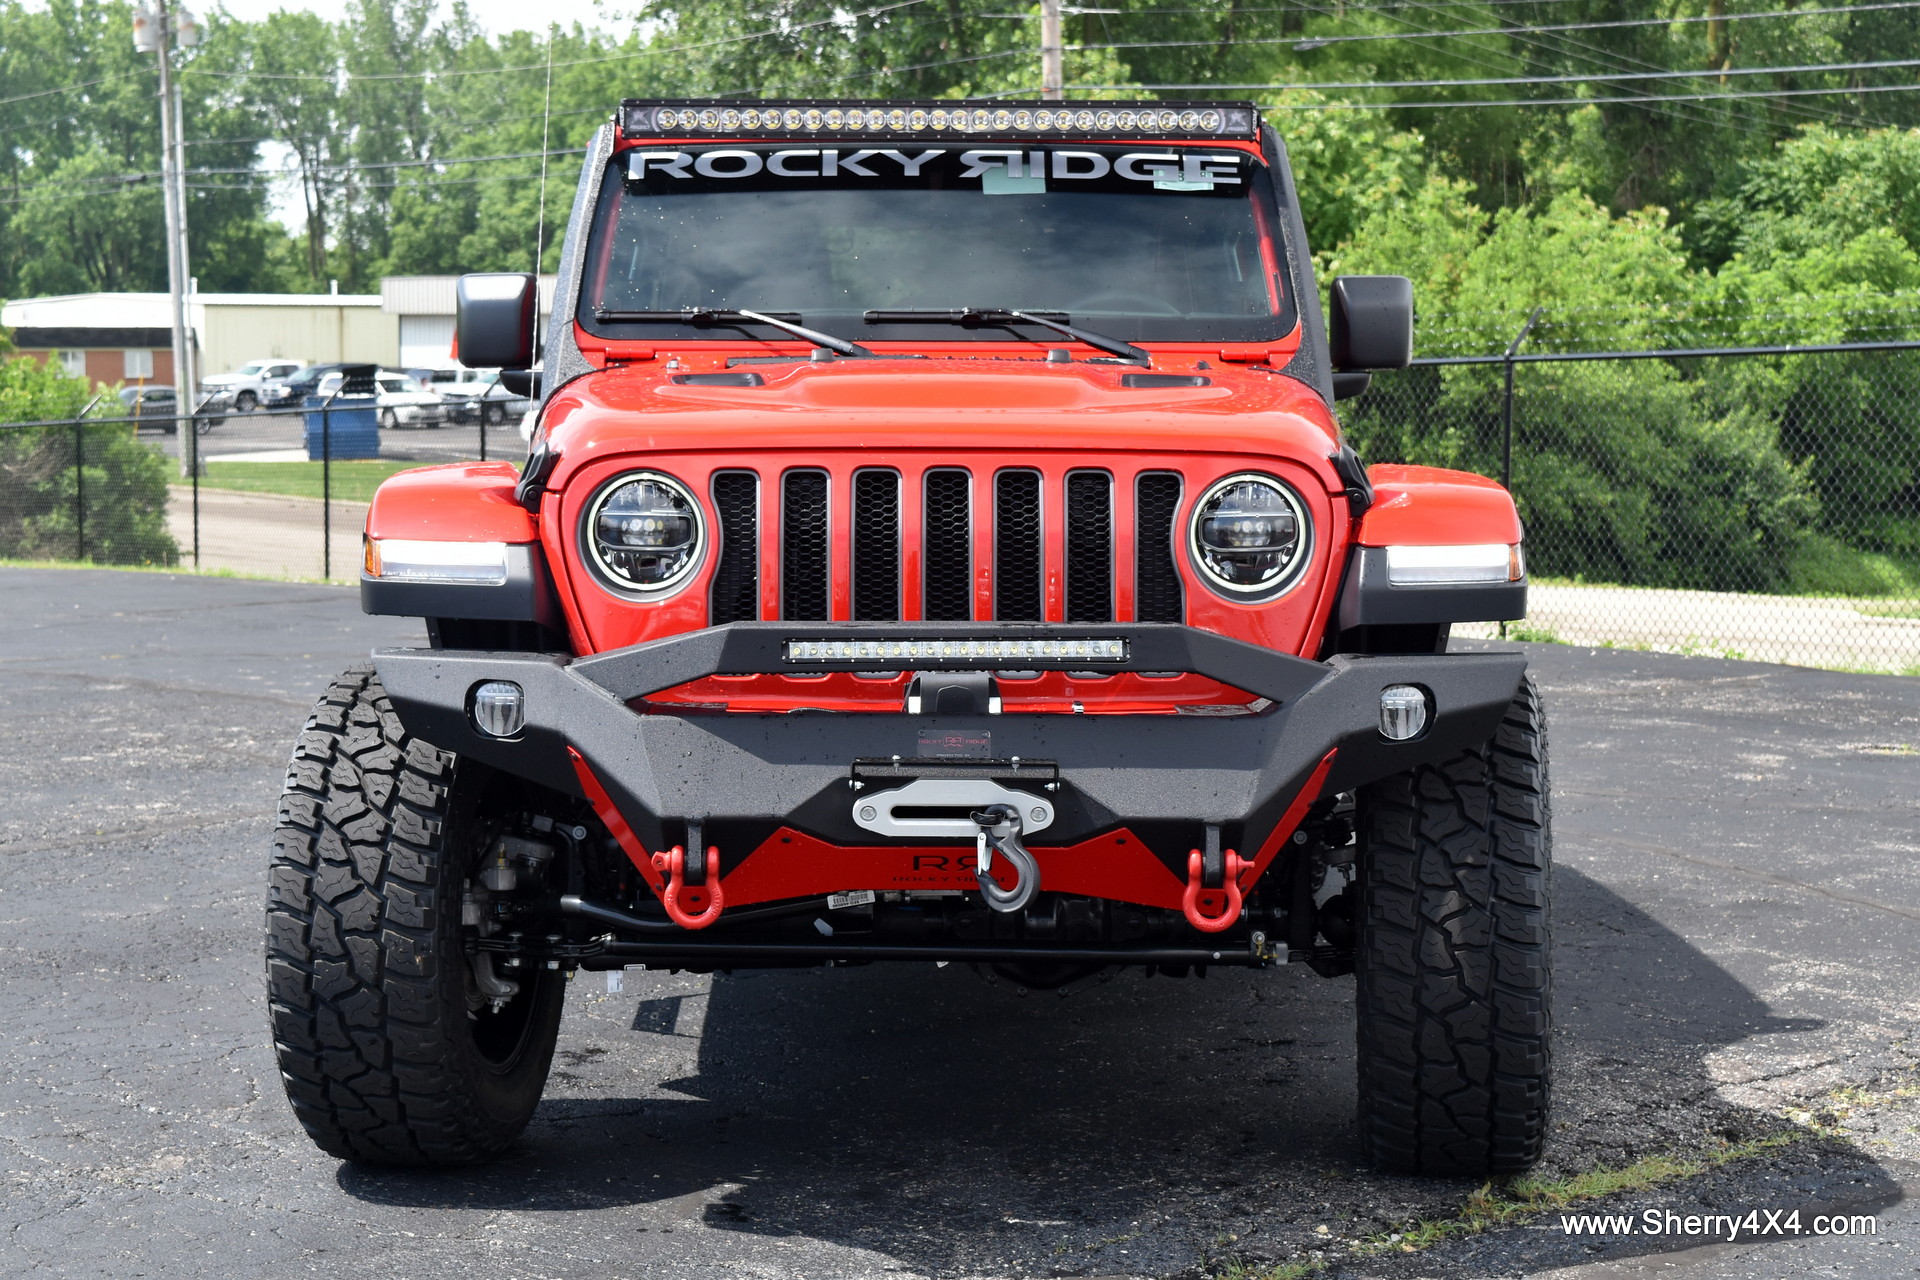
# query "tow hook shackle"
(1213, 909)
(700, 889)
(1000, 831)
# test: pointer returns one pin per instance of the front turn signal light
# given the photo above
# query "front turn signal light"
(480, 564)
(1475, 562)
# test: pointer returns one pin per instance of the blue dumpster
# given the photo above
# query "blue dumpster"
(350, 425)
(351, 429)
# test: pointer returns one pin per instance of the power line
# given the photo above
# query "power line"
(136, 177)
(1560, 45)
(1306, 43)
(1673, 112)
(891, 71)
(358, 166)
(414, 185)
(1560, 102)
(71, 88)
(1889, 65)
(1303, 43)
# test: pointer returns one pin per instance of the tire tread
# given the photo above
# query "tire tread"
(1455, 967)
(360, 1010)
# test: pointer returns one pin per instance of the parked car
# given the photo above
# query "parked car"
(160, 403)
(407, 402)
(293, 391)
(246, 386)
(402, 401)
(474, 395)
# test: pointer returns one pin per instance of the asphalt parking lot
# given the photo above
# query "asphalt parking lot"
(1738, 945)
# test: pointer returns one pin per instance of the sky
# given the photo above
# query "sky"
(496, 16)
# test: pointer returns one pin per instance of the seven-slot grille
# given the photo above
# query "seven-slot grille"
(925, 530)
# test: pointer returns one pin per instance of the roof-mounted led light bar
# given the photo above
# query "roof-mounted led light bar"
(736, 119)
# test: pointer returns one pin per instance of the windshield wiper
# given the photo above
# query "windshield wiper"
(1001, 315)
(712, 315)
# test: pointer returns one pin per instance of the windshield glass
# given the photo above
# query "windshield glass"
(1135, 243)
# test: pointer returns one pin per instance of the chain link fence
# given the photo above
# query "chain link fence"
(1761, 503)
(279, 493)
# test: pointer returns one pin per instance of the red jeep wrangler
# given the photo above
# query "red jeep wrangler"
(937, 545)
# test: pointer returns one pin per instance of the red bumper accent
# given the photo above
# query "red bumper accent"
(1289, 823)
(793, 864)
(617, 826)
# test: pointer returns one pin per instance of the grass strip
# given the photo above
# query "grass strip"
(183, 569)
(352, 481)
(1504, 1204)
(1514, 1202)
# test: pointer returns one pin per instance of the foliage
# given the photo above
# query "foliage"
(410, 138)
(1623, 472)
(121, 492)
(33, 390)
(411, 141)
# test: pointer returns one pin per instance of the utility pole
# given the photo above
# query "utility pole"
(1052, 72)
(185, 22)
(155, 31)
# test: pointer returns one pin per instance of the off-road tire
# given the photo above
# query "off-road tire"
(1453, 962)
(367, 978)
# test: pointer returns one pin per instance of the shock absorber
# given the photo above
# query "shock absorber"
(1000, 831)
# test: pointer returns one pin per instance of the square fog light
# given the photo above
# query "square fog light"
(1403, 712)
(500, 709)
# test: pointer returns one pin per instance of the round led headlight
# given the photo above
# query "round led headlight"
(644, 532)
(1250, 535)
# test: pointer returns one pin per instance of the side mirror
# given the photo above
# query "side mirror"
(524, 383)
(494, 319)
(1371, 325)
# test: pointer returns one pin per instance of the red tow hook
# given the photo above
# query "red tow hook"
(706, 898)
(1202, 905)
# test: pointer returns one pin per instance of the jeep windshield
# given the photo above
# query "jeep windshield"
(1139, 243)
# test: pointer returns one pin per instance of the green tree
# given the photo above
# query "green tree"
(91, 228)
(121, 493)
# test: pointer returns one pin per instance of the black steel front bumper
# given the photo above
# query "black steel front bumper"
(754, 772)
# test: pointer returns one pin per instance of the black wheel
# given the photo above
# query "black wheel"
(1453, 962)
(245, 401)
(496, 414)
(389, 1053)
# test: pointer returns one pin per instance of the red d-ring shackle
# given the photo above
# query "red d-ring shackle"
(707, 899)
(1197, 897)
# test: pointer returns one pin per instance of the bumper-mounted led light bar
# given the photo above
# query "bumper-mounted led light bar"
(968, 650)
(859, 119)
